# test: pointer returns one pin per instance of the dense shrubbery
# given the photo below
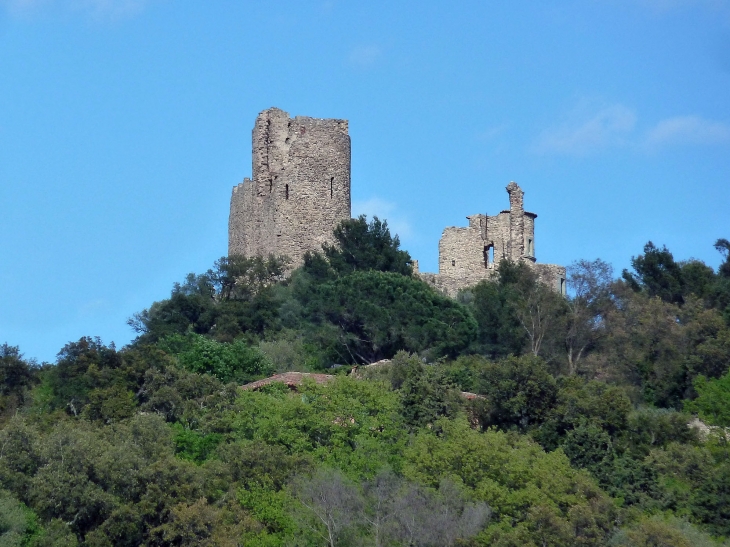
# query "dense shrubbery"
(577, 435)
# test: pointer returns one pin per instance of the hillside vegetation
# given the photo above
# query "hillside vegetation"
(578, 435)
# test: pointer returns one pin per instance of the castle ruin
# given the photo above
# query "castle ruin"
(299, 190)
(469, 255)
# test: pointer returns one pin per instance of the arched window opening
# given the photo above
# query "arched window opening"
(563, 287)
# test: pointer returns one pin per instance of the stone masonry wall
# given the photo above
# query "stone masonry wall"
(299, 190)
(469, 255)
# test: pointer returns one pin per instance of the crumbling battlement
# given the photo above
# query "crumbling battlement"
(299, 189)
(469, 255)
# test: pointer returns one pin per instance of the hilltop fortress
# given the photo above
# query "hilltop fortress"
(300, 191)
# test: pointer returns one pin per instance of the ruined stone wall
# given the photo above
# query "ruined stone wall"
(469, 255)
(553, 276)
(530, 235)
(299, 190)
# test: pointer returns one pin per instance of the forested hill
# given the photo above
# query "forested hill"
(579, 434)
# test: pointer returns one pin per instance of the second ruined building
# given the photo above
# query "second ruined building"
(468, 255)
(299, 192)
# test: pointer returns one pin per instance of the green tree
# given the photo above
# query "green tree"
(426, 393)
(17, 376)
(237, 296)
(713, 400)
(664, 531)
(590, 287)
(656, 273)
(18, 525)
(494, 306)
(81, 367)
(520, 392)
(723, 247)
(530, 492)
(229, 362)
(363, 245)
(371, 315)
(501, 308)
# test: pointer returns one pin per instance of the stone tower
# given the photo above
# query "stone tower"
(299, 189)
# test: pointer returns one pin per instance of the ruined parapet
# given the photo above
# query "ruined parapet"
(469, 255)
(299, 190)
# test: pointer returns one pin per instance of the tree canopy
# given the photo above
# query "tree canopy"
(511, 415)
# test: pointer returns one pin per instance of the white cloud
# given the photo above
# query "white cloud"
(587, 131)
(687, 130)
(97, 9)
(384, 210)
(364, 56)
(491, 132)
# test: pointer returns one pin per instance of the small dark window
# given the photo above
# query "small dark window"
(332, 187)
(453, 262)
(286, 192)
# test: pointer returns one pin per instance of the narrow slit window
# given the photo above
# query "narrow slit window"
(453, 262)
(332, 187)
(286, 192)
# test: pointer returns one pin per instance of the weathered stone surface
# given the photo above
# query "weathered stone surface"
(469, 255)
(299, 190)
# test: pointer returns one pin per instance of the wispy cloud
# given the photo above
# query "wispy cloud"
(585, 131)
(491, 132)
(686, 130)
(364, 56)
(97, 9)
(385, 210)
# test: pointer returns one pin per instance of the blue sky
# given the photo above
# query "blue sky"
(124, 124)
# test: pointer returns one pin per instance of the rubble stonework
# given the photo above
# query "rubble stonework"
(469, 255)
(299, 192)
(299, 189)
